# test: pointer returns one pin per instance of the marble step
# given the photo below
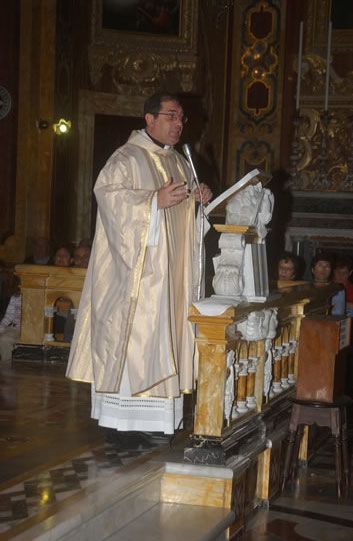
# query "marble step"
(172, 522)
(148, 500)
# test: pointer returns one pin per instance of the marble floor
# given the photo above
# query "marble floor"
(309, 508)
(52, 452)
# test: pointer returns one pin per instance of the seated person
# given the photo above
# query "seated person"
(3, 297)
(85, 242)
(70, 325)
(62, 257)
(10, 323)
(321, 268)
(41, 252)
(63, 306)
(342, 274)
(287, 266)
(81, 256)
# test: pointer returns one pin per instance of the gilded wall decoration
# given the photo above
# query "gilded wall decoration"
(259, 61)
(324, 157)
(255, 153)
(260, 79)
(140, 62)
(313, 79)
(338, 156)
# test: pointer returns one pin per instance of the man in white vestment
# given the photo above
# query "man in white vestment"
(132, 339)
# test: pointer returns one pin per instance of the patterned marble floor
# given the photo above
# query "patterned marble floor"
(309, 509)
(50, 448)
(51, 451)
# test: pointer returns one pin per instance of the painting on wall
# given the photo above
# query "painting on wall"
(342, 14)
(147, 16)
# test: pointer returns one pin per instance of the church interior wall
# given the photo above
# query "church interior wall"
(31, 180)
(234, 64)
(9, 40)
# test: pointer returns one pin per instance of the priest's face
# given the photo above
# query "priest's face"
(167, 125)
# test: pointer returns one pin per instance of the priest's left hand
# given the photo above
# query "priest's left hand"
(206, 193)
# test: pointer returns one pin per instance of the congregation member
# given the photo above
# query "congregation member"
(10, 323)
(288, 266)
(321, 268)
(342, 274)
(81, 256)
(40, 252)
(132, 335)
(62, 257)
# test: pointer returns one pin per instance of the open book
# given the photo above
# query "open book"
(221, 201)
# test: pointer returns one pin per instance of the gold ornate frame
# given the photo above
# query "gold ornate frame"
(142, 58)
(184, 42)
(317, 17)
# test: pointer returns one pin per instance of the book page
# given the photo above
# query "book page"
(250, 178)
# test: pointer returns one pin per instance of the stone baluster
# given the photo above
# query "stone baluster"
(291, 362)
(242, 386)
(250, 386)
(277, 363)
(284, 365)
(49, 312)
(268, 370)
(235, 413)
(229, 394)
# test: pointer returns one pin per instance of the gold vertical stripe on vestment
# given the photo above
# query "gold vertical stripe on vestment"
(137, 274)
(161, 164)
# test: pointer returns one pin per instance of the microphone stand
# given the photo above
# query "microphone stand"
(187, 152)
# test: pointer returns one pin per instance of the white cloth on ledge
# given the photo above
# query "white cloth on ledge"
(217, 304)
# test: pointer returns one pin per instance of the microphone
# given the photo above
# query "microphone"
(187, 152)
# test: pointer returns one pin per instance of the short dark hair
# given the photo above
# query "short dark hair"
(344, 261)
(63, 247)
(153, 104)
(322, 256)
(288, 256)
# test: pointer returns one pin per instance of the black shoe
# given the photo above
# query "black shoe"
(128, 440)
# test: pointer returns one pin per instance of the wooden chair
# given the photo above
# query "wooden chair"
(330, 414)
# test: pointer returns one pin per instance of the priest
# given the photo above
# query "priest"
(132, 339)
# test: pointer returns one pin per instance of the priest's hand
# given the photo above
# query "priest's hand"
(171, 194)
(206, 193)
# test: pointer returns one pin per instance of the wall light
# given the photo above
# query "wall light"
(62, 127)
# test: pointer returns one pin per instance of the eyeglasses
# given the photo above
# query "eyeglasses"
(172, 117)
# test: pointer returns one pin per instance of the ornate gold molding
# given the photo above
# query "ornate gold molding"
(317, 18)
(338, 152)
(314, 73)
(141, 61)
(255, 124)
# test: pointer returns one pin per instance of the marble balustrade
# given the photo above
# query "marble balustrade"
(41, 288)
(264, 339)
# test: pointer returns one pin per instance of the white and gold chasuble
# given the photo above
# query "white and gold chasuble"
(132, 318)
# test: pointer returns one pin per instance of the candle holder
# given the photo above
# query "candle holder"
(323, 156)
(295, 155)
(349, 177)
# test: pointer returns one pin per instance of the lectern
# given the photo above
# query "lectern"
(322, 357)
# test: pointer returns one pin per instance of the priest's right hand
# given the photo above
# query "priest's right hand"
(171, 194)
